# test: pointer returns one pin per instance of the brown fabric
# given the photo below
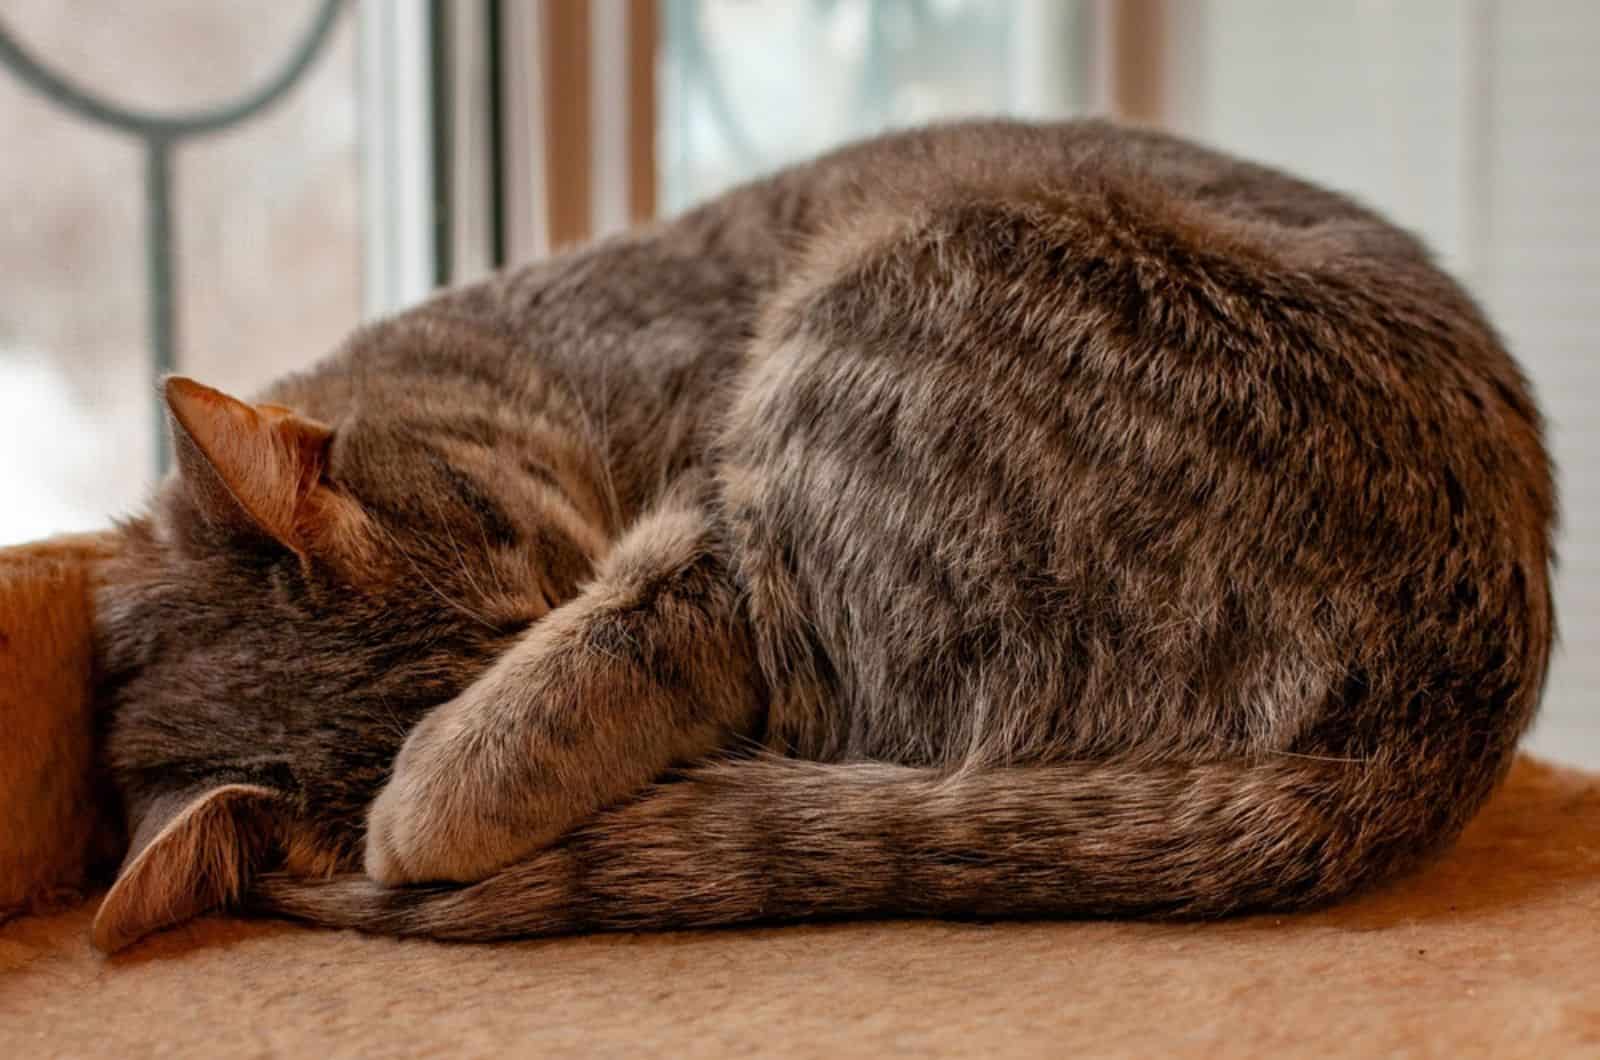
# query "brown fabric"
(1493, 951)
(52, 816)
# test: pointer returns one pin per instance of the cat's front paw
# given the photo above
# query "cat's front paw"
(446, 812)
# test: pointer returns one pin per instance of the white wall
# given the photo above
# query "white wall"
(1474, 123)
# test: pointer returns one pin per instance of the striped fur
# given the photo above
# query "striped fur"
(987, 520)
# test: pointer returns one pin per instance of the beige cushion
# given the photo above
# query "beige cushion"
(1495, 951)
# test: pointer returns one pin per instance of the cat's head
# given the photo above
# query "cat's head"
(301, 591)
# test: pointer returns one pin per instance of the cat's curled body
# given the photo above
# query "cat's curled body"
(987, 520)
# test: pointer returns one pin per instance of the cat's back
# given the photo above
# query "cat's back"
(1135, 444)
(781, 216)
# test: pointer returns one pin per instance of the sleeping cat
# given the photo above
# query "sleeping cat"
(988, 520)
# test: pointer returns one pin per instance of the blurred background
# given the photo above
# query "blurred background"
(226, 187)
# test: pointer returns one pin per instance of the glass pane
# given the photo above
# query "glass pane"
(1474, 125)
(747, 86)
(267, 237)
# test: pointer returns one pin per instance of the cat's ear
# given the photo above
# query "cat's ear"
(192, 852)
(253, 466)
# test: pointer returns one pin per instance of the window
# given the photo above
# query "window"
(252, 227)
(428, 141)
(748, 87)
(1474, 124)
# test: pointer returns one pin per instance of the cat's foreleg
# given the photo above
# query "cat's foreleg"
(649, 666)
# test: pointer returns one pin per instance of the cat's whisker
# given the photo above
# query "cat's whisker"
(442, 522)
(440, 594)
(1317, 757)
(398, 727)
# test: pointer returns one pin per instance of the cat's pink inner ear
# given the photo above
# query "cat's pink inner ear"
(191, 853)
(268, 458)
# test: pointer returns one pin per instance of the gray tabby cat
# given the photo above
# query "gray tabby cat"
(989, 520)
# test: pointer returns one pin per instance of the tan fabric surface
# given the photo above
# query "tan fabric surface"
(1494, 951)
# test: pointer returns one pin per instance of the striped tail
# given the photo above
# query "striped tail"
(770, 839)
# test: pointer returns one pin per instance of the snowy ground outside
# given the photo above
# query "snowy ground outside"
(65, 468)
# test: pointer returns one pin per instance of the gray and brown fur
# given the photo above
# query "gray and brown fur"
(988, 520)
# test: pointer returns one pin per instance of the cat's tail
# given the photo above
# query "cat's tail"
(770, 839)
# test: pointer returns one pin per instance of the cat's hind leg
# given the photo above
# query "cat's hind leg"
(649, 666)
